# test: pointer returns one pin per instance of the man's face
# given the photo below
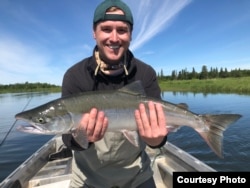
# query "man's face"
(113, 39)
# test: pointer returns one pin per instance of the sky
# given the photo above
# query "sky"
(40, 40)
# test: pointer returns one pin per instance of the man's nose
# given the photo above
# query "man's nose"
(114, 36)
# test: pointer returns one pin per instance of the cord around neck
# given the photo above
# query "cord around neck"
(112, 70)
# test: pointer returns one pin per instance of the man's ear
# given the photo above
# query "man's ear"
(94, 35)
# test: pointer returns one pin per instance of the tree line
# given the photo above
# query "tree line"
(204, 74)
(27, 87)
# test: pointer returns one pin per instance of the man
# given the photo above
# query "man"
(111, 160)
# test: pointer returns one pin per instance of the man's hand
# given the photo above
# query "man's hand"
(95, 124)
(152, 126)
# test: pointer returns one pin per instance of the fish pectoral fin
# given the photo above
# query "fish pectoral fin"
(80, 137)
(132, 137)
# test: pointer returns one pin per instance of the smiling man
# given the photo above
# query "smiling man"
(111, 160)
(112, 38)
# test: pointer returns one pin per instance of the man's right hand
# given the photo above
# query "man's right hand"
(95, 124)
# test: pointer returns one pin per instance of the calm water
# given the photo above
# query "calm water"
(19, 146)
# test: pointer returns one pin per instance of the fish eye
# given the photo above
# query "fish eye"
(40, 120)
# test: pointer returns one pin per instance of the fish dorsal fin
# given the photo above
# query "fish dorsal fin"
(183, 106)
(134, 88)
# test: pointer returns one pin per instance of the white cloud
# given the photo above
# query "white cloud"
(18, 57)
(20, 62)
(26, 62)
(152, 17)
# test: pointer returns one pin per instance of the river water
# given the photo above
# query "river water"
(16, 147)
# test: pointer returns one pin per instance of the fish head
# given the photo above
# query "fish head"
(46, 119)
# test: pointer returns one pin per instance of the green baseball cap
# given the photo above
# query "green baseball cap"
(100, 12)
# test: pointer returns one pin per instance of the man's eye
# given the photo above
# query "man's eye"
(122, 31)
(106, 30)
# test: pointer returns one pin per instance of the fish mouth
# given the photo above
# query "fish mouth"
(29, 124)
(31, 127)
(34, 129)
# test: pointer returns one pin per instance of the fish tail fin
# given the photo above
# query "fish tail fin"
(217, 124)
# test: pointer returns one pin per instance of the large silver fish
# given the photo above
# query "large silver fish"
(63, 115)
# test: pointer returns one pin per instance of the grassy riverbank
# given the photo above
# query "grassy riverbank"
(223, 85)
(239, 85)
